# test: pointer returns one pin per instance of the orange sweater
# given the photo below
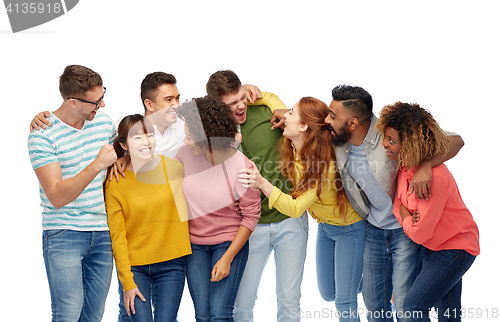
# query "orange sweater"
(147, 218)
(445, 222)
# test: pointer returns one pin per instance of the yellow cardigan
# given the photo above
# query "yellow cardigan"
(322, 212)
(147, 218)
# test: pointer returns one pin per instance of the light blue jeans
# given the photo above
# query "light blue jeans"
(214, 301)
(288, 239)
(390, 265)
(79, 266)
(339, 265)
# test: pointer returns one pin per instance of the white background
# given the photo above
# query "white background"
(442, 54)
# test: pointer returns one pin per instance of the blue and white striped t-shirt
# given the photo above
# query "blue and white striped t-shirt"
(74, 150)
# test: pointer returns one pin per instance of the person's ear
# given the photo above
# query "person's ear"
(124, 146)
(72, 103)
(352, 123)
(149, 105)
(303, 127)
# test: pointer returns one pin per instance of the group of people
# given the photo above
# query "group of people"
(173, 195)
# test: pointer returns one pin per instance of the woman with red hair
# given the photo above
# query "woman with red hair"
(308, 159)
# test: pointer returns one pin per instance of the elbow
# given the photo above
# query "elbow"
(457, 142)
(56, 202)
(417, 237)
(57, 205)
(460, 142)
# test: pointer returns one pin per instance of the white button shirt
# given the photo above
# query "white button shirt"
(169, 142)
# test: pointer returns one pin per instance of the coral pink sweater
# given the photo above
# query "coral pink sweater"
(445, 222)
(213, 217)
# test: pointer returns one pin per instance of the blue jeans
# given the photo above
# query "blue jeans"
(166, 281)
(339, 264)
(439, 284)
(288, 239)
(122, 312)
(390, 265)
(213, 301)
(79, 266)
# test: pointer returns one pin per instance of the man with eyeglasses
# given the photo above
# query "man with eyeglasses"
(70, 159)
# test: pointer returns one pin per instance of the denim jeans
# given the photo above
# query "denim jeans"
(166, 281)
(213, 301)
(439, 284)
(390, 265)
(122, 312)
(339, 264)
(79, 266)
(288, 239)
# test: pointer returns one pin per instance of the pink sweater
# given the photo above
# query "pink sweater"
(213, 216)
(445, 222)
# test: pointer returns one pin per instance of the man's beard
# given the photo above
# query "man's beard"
(341, 137)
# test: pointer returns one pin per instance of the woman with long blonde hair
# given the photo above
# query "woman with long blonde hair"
(308, 159)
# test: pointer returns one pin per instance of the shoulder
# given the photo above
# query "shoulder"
(172, 163)
(441, 174)
(181, 153)
(103, 119)
(258, 113)
(103, 116)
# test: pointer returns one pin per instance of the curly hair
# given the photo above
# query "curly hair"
(210, 122)
(316, 154)
(420, 135)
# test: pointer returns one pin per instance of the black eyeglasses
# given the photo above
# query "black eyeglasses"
(85, 101)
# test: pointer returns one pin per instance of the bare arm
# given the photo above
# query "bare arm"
(421, 182)
(61, 192)
(223, 267)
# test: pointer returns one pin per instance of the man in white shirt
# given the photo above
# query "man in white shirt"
(161, 99)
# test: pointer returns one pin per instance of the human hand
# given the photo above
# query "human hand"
(421, 181)
(40, 121)
(221, 269)
(250, 177)
(119, 167)
(253, 93)
(278, 118)
(106, 156)
(416, 217)
(129, 298)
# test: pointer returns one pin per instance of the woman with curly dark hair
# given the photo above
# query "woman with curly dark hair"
(308, 159)
(218, 228)
(442, 224)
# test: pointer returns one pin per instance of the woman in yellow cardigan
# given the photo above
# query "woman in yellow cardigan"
(147, 218)
(308, 159)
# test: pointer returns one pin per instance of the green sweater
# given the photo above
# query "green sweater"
(259, 144)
